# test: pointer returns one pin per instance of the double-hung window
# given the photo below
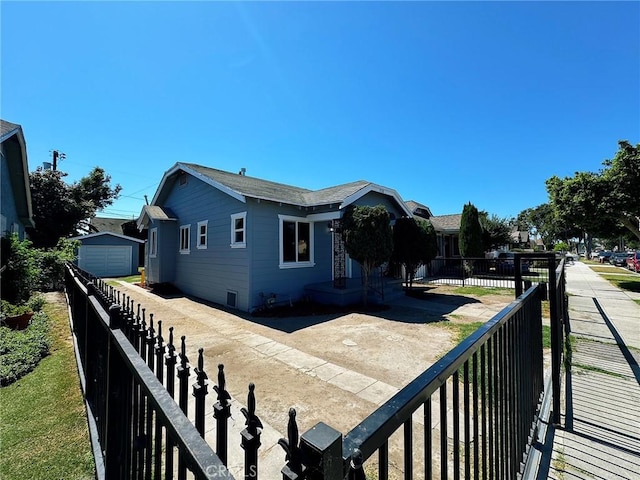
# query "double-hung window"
(239, 230)
(185, 233)
(202, 235)
(153, 242)
(296, 242)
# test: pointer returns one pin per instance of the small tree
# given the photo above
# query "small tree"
(495, 231)
(414, 244)
(368, 239)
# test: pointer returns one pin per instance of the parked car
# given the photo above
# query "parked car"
(505, 263)
(604, 256)
(619, 259)
(633, 262)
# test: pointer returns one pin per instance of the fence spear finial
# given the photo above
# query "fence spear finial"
(183, 352)
(200, 373)
(290, 444)
(253, 423)
(223, 395)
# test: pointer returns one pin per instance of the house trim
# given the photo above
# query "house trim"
(182, 167)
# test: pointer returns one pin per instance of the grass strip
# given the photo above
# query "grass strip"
(44, 428)
(630, 283)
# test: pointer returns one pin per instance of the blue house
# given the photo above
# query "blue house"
(15, 204)
(244, 242)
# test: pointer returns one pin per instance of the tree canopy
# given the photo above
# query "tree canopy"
(368, 239)
(59, 209)
(496, 231)
(599, 204)
(414, 244)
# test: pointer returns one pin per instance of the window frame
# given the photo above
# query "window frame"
(185, 249)
(234, 230)
(153, 242)
(202, 245)
(297, 263)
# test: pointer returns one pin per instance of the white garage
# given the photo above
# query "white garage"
(107, 254)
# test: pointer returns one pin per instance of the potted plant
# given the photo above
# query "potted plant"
(16, 317)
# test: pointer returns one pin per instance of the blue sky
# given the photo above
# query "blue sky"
(446, 102)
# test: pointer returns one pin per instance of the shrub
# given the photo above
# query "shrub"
(30, 269)
(10, 310)
(22, 273)
(21, 350)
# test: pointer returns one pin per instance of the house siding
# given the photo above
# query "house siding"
(207, 273)
(266, 277)
(8, 204)
(161, 268)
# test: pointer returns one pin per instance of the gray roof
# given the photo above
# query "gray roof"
(7, 128)
(418, 209)
(279, 192)
(444, 223)
(103, 224)
(158, 213)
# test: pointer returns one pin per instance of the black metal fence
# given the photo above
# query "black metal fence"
(141, 431)
(471, 415)
(485, 272)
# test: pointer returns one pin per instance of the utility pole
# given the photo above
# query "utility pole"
(57, 155)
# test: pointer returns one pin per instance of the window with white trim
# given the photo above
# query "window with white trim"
(296, 242)
(185, 233)
(239, 230)
(202, 234)
(153, 242)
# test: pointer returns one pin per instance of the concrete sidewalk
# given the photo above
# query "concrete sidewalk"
(599, 435)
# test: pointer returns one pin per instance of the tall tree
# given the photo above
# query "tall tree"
(581, 207)
(470, 232)
(622, 173)
(59, 208)
(368, 239)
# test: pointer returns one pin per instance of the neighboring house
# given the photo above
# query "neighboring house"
(242, 241)
(520, 240)
(108, 254)
(15, 204)
(447, 228)
(105, 224)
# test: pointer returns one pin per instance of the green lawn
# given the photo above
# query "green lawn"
(625, 282)
(482, 291)
(43, 433)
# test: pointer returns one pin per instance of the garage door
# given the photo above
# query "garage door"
(105, 261)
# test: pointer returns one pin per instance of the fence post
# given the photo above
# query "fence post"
(321, 448)
(200, 391)
(251, 436)
(221, 412)
(294, 469)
